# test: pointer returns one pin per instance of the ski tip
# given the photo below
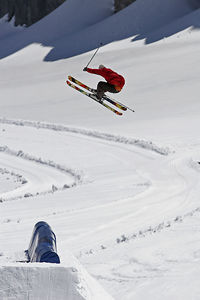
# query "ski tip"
(68, 82)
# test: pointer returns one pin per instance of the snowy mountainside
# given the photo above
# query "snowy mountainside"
(68, 37)
(180, 27)
(70, 17)
(122, 193)
(138, 19)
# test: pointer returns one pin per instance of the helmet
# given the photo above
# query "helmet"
(101, 66)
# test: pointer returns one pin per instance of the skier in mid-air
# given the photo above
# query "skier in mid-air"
(114, 82)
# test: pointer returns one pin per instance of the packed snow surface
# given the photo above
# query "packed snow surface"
(120, 192)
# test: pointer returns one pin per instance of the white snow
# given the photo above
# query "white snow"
(47, 281)
(121, 193)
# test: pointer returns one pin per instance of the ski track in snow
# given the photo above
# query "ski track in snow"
(20, 154)
(14, 177)
(115, 239)
(176, 170)
(78, 177)
(105, 136)
(135, 188)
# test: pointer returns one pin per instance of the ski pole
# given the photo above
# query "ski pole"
(94, 54)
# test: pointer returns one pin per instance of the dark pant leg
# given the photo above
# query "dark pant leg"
(104, 87)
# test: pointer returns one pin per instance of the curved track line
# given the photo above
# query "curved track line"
(100, 135)
(76, 175)
(157, 196)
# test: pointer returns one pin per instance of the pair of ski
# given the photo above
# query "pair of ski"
(92, 95)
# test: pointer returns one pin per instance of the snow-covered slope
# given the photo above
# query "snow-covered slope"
(137, 20)
(122, 193)
(70, 17)
(87, 29)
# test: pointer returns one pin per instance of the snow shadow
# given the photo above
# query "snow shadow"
(190, 21)
(127, 24)
(150, 20)
(80, 43)
(58, 29)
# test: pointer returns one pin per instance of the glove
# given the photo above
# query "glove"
(85, 69)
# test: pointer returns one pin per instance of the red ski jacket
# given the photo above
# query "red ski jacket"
(110, 76)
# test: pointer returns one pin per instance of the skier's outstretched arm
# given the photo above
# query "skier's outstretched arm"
(93, 71)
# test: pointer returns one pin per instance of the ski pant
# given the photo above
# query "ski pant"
(104, 87)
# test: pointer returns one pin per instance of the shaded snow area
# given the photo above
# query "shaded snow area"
(8, 28)
(122, 193)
